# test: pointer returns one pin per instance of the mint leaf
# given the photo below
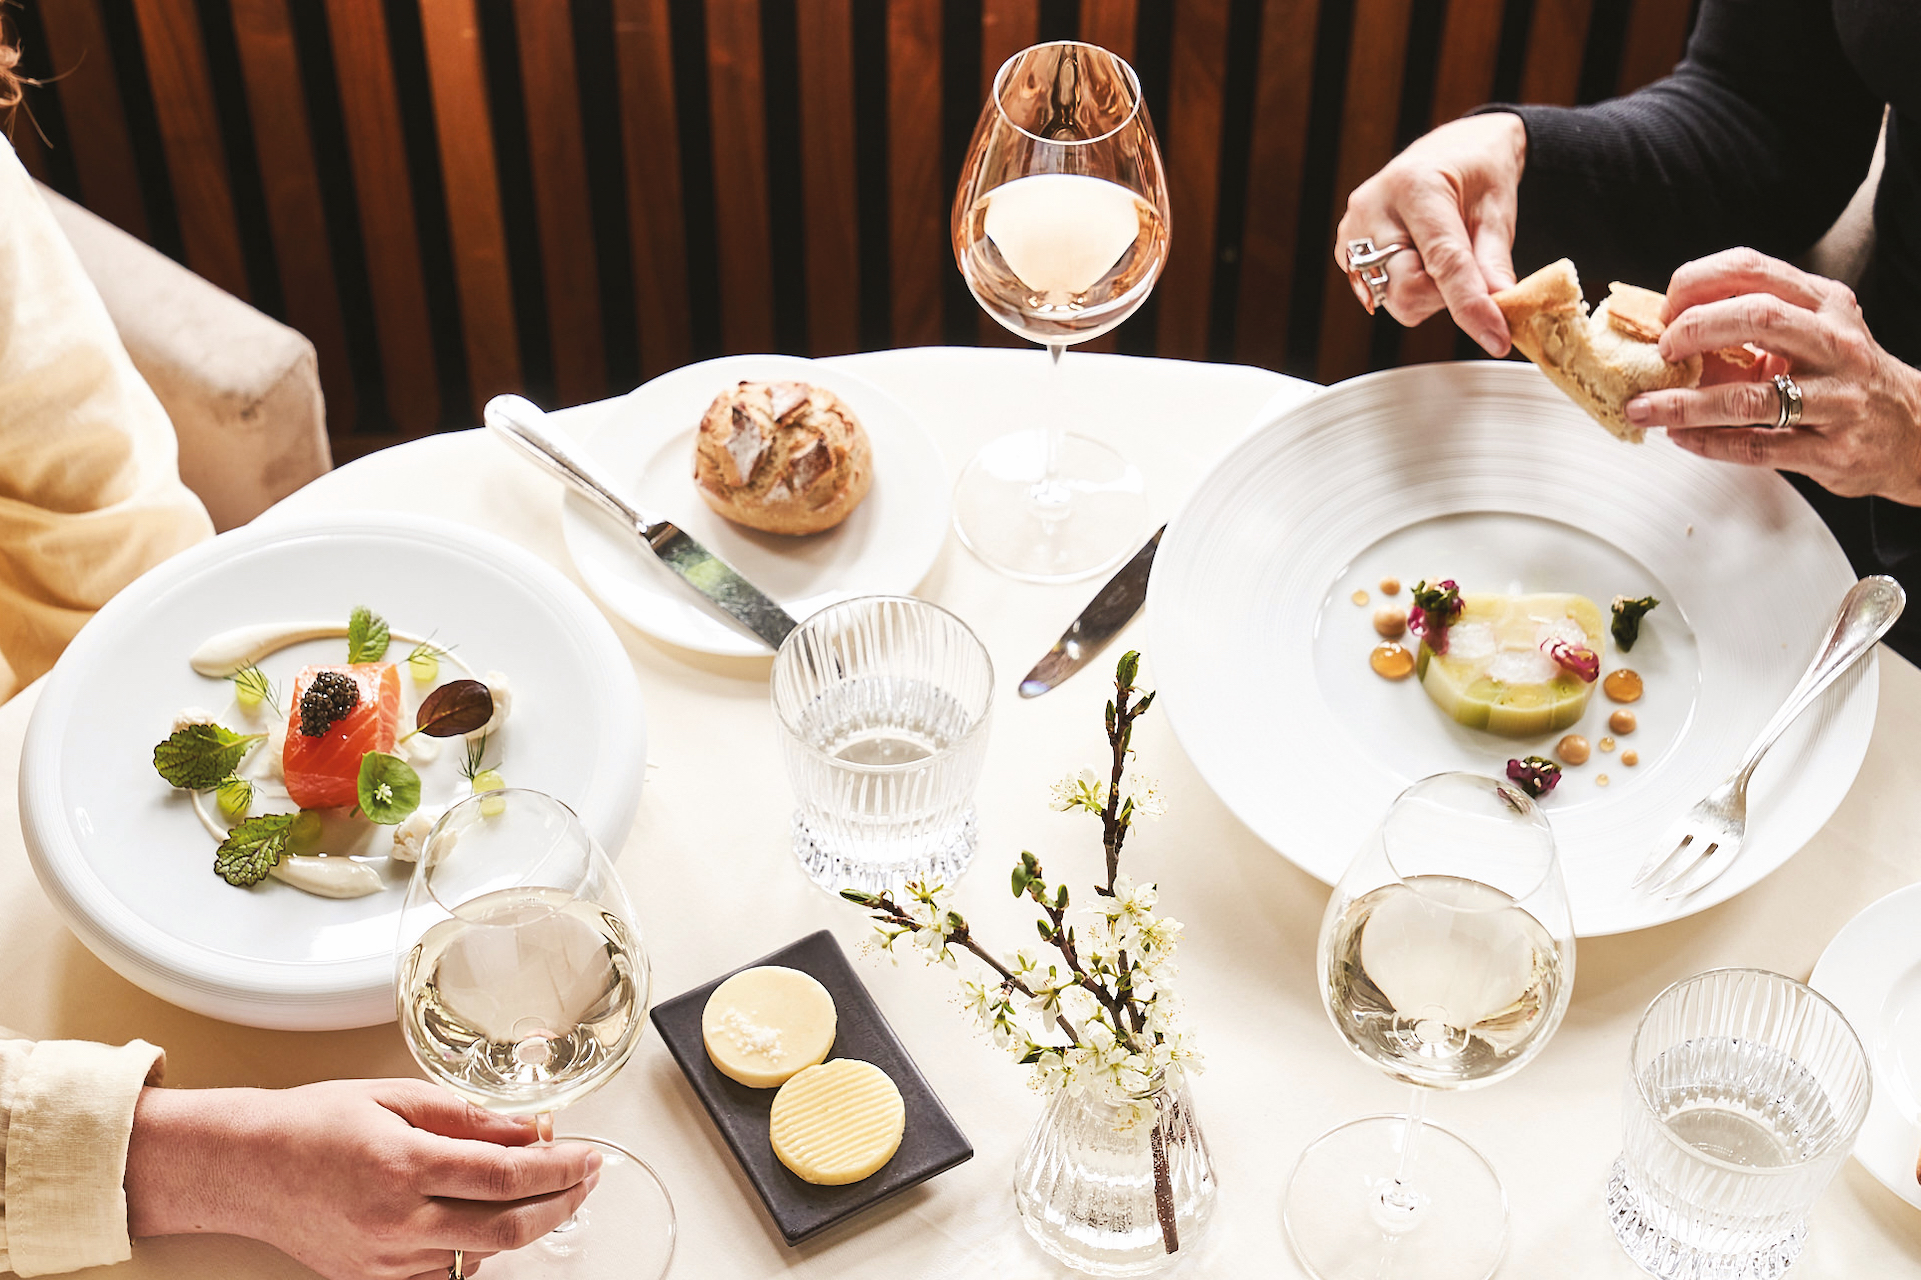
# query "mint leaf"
(366, 636)
(253, 848)
(1627, 619)
(202, 756)
(389, 788)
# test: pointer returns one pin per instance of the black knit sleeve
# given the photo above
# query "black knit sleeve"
(1758, 138)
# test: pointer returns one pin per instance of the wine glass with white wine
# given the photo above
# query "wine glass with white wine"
(522, 985)
(1446, 959)
(1060, 228)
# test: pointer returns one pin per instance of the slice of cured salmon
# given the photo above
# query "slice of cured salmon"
(323, 772)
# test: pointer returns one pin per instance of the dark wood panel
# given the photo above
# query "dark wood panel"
(370, 108)
(1375, 63)
(26, 142)
(650, 137)
(290, 181)
(1193, 156)
(1277, 156)
(1555, 42)
(1464, 79)
(1110, 24)
(829, 193)
(1007, 27)
(919, 250)
(89, 90)
(562, 202)
(183, 105)
(1657, 34)
(475, 225)
(737, 89)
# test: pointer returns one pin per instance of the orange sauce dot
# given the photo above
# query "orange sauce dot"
(1630, 758)
(1623, 722)
(1622, 686)
(1392, 661)
(1607, 744)
(1390, 586)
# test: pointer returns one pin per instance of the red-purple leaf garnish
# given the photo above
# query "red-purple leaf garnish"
(1576, 659)
(1435, 609)
(1536, 775)
(457, 707)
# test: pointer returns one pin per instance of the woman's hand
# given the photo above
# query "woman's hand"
(1860, 429)
(1451, 197)
(359, 1179)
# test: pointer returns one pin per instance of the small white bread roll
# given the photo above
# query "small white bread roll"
(1600, 361)
(782, 457)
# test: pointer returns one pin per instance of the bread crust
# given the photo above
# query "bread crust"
(1596, 362)
(782, 457)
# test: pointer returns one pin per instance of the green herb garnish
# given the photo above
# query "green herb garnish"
(476, 754)
(423, 660)
(366, 636)
(389, 788)
(251, 688)
(1627, 619)
(202, 756)
(235, 797)
(253, 848)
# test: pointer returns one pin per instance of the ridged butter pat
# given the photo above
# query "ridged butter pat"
(837, 1123)
(762, 1025)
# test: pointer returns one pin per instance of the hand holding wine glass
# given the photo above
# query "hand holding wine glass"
(1061, 228)
(523, 987)
(1447, 960)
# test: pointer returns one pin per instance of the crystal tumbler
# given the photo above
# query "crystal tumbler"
(1745, 1091)
(883, 705)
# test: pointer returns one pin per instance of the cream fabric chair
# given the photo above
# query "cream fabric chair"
(243, 390)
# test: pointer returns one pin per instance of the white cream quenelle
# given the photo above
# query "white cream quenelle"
(763, 1025)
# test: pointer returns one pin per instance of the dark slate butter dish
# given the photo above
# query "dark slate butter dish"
(931, 1143)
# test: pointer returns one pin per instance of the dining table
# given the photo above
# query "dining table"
(710, 869)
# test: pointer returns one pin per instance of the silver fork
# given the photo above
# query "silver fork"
(1711, 833)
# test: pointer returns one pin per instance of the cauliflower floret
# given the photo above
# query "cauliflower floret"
(496, 682)
(187, 717)
(410, 836)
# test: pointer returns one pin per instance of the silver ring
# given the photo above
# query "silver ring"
(1790, 397)
(1370, 265)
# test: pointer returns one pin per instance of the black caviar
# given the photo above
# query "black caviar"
(328, 699)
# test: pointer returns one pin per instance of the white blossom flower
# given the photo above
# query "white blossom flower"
(1144, 793)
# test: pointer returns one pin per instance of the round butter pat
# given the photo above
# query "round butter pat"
(837, 1123)
(762, 1025)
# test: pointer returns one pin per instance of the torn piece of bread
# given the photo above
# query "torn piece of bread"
(1600, 361)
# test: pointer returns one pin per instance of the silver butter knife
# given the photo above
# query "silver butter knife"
(520, 422)
(1110, 610)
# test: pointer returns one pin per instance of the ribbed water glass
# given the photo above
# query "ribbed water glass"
(1745, 1091)
(883, 705)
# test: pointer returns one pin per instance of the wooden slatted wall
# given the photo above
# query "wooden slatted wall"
(458, 197)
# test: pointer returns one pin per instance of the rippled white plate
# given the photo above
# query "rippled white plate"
(127, 863)
(645, 442)
(1484, 473)
(1872, 972)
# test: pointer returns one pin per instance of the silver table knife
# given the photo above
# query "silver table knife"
(1110, 610)
(519, 422)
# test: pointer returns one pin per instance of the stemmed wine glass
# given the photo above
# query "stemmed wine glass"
(1446, 959)
(522, 985)
(1060, 228)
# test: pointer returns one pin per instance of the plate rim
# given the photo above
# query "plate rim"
(1902, 902)
(299, 994)
(1523, 380)
(574, 509)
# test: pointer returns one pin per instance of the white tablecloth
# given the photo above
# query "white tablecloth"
(715, 885)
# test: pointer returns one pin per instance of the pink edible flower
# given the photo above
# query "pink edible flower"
(1435, 609)
(1536, 775)
(1575, 658)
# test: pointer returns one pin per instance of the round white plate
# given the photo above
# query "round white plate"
(1484, 473)
(1872, 972)
(646, 445)
(124, 858)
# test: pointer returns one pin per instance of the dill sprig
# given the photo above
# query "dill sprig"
(252, 688)
(476, 756)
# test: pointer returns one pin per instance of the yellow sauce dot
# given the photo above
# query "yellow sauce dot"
(1601, 780)
(1630, 758)
(1391, 623)
(1607, 744)
(1391, 661)
(1572, 749)
(1623, 722)
(1622, 686)
(1360, 597)
(1390, 586)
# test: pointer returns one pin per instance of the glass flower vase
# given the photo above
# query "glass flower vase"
(1109, 1200)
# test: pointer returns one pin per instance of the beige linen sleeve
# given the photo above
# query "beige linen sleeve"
(90, 492)
(66, 1112)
